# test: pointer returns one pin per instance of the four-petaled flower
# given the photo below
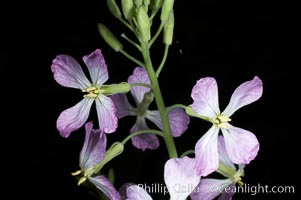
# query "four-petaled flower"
(68, 72)
(241, 145)
(209, 188)
(93, 152)
(178, 119)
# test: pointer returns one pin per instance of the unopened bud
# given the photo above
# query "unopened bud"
(113, 7)
(109, 37)
(138, 3)
(127, 8)
(143, 24)
(168, 29)
(156, 4)
(166, 9)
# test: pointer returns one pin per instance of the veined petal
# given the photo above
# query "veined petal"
(209, 188)
(94, 147)
(106, 113)
(241, 145)
(178, 120)
(97, 67)
(180, 177)
(144, 141)
(104, 185)
(139, 76)
(67, 72)
(245, 94)
(134, 192)
(222, 153)
(205, 98)
(123, 107)
(73, 118)
(206, 154)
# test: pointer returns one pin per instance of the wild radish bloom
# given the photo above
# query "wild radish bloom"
(241, 145)
(67, 72)
(210, 188)
(92, 157)
(143, 97)
(180, 177)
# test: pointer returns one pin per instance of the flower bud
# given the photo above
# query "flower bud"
(168, 29)
(156, 4)
(166, 9)
(123, 87)
(113, 7)
(109, 37)
(143, 24)
(138, 3)
(127, 8)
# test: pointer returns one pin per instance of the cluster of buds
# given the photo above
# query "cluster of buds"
(138, 16)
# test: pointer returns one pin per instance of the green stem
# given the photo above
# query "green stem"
(131, 41)
(141, 84)
(169, 141)
(131, 58)
(126, 24)
(142, 132)
(163, 61)
(175, 106)
(186, 153)
(156, 35)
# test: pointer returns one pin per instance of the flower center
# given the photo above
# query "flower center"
(237, 177)
(93, 92)
(222, 121)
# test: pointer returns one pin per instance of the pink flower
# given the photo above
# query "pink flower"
(67, 72)
(210, 188)
(178, 119)
(241, 145)
(93, 152)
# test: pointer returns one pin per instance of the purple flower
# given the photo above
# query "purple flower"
(67, 72)
(180, 177)
(210, 188)
(241, 145)
(93, 153)
(178, 119)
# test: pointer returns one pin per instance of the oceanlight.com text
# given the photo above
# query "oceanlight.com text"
(244, 189)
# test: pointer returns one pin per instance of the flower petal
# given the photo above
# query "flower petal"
(227, 195)
(97, 67)
(222, 153)
(205, 96)
(178, 120)
(134, 192)
(180, 177)
(94, 147)
(144, 141)
(209, 188)
(67, 72)
(74, 117)
(206, 154)
(245, 94)
(106, 112)
(123, 107)
(139, 76)
(103, 184)
(241, 145)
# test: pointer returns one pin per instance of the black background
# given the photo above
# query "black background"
(230, 41)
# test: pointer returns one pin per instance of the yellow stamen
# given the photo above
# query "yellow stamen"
(81, 180)
(76, 173)
(93, 92)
